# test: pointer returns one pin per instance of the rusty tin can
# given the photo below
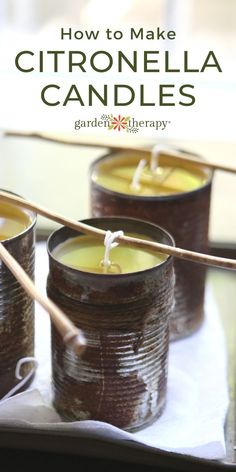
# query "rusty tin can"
(16, 307)
(185, 215)
(121, 378)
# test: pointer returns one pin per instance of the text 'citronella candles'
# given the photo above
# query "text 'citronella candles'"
(173, 194)
(17, 234)
(123, 308)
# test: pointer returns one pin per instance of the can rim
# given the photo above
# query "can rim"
(168, 259)
(32, 215)
(170, 197)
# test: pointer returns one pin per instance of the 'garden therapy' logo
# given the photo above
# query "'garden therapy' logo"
(121, 123)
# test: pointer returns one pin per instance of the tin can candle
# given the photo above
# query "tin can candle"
(17, 234)
(177, 197)
(124, 310)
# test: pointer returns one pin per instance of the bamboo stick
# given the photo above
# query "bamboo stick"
(72, 336)
(187, 157)
(125, 240)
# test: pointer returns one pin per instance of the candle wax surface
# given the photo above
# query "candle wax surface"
(165, 180)
(12, 221)
(87, 252)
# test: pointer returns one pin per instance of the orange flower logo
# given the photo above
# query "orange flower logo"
(119, 123)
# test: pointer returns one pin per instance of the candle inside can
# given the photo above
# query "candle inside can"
(117, 175)
(121, 378)
(17, 232)
(86, 253)
(175, 195)
(13, 221)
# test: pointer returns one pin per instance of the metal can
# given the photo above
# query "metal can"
(16, 307)
(121, 378)
(185, 215)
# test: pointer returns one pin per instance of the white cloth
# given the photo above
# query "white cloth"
(197, 400)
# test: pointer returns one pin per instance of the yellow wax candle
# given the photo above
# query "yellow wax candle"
(86, 253)
(13, 221)
(117, 173)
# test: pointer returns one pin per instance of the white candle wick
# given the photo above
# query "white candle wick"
(156, 150)
(110, 244)
(137, 174)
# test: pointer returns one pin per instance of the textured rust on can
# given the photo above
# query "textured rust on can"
(186, 217)
(121, 377)
(16, 311)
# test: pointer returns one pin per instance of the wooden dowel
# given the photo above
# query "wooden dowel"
(180, 253)
(147, 152)
(72, 336)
